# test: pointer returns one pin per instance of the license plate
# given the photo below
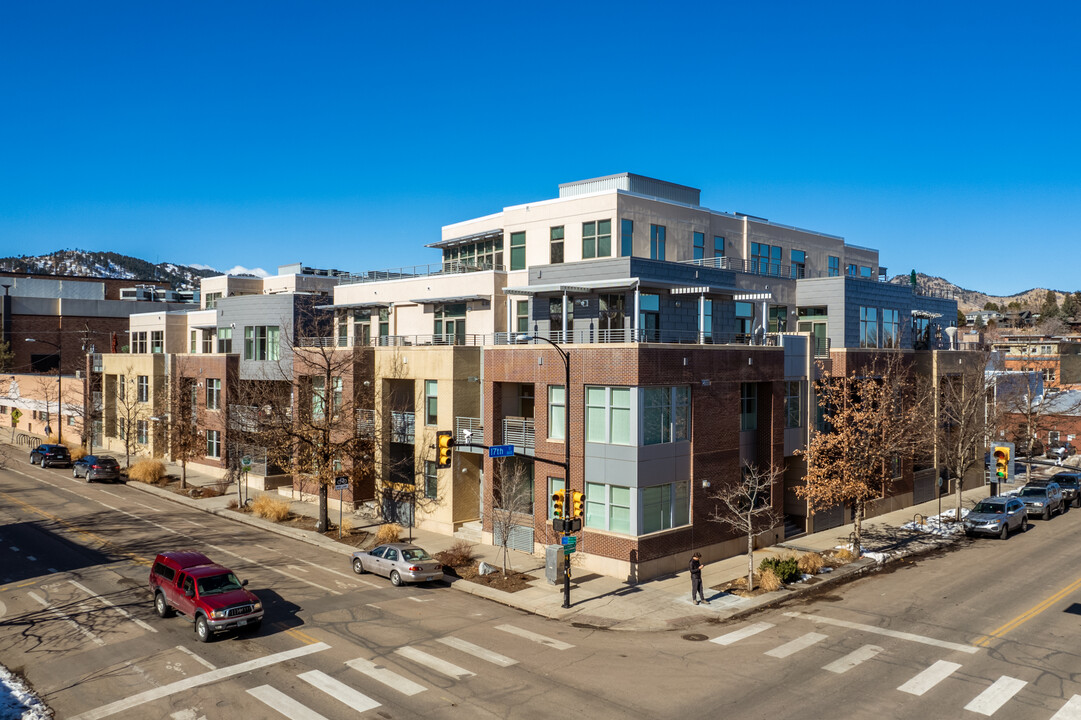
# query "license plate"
(241, 622)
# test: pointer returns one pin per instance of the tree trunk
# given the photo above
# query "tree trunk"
(324, 520)
(750, 555)
(183, 474)
(857, 522)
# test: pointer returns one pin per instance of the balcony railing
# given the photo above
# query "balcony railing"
(402, 427)
(821, 346)
(755, 267)
(587, 336)
(366, 423)
(519, 432)
(244, 418)
(475, 432)
(454, 267)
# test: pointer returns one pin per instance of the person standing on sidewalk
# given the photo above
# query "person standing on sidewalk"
(696, 579)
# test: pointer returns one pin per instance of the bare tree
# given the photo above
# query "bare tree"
(746, 506)
(513, 502)
(134, 404)
(49, 390)
(186, 442)
(876, 417)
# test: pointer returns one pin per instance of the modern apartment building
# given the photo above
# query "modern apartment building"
(1056, 358)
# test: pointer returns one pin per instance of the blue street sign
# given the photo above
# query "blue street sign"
(501, 451)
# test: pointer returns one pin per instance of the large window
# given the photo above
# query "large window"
(431, 479)
(765, 259)
(656, 241)
(718, 246)
(748, 406)
(865, 272)
(626, 237)
(261, 342)
(799, 263)
(868, 327)
(142, 432)
(608, 507)
(157, 341)
(142, 385)
(556, 251)
(608, 415)
(225, 340)
(517, 251)
(834, 266)
(320, 399)
(431, 402)
(744, 317)
(793, 411)
(212, 300)
(665, 507)
(778, 319)
(557, 412)
(707, 321)
(699, 245)
(362, 330)
(666, 414)
(213, 394)
(522, 315)
(138, 342)
(649, 317)
(555, 314)
(208, 341)
(891, 328)
(213, 443)
(596, 239)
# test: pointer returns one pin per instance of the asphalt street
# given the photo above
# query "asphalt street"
(985, 630)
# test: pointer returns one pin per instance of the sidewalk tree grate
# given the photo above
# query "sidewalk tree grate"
(695, 637)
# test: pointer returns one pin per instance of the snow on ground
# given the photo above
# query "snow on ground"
(943, 524)
(18, 702)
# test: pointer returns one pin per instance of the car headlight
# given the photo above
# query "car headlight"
(217, 614)
(257, 606)
(1037, 503)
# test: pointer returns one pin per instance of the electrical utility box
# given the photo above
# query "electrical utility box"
(554, 557)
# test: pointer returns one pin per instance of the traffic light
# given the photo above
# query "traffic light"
(557, 503)
(578, 504)
(444, 441)
(1002, 456)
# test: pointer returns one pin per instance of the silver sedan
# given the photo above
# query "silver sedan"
(401, 562)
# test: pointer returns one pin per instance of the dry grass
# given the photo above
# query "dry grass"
(270, 508)
(811, 563)
(458, 555)
(842, 556)
(346, 526)
(233, 504)
(78, 452)
(768, 580)
(147, 471)
(388, 533)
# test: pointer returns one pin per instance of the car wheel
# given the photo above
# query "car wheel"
(161, 606)
(395, 578)
(1047, 513)
(74, 473)
(1064, 508)
(1005, 532)
(202, 629)
(44, 463)
(358, 566)
(1024, 525)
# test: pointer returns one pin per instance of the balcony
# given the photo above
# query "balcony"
(416, 271)
(467, 430)
(366, 423)
(519, 432)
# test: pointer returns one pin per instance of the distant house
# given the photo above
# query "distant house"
(983, 317)
(1020, 318)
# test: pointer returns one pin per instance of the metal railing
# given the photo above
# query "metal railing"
(366, 422)
(821, 346)
(475, 434)
(244, 418)
(754, 267)
(402, 427)
(453, 267)
(519, 432)
(580, 336)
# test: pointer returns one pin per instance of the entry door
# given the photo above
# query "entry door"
(818, 333)
(455, 331)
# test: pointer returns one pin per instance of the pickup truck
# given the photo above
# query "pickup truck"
(209, 594)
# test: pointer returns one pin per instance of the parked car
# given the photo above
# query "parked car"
(96, 467)
(1024, 450)
(1043, 500)
(1060, 451)
(401, 562)
(190, 583)
(50, 456)
(996, 516)
(1070, 482)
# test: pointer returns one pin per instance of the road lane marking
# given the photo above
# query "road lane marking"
(1070, 711)
(930, 677)
(417, 599)
(201, 660)
(556, 644)
(742, 633)
(800, 643)
(31, 558)
(433, 663)
(120, 610)
(352, 577)
(388, 677)
(66, 618)
(339, 690)
(273, 569)
(478, 652)
(1028, 614)
(283, 704)
(852, 659)
(886, 632)
(198, 681)
(994, 697)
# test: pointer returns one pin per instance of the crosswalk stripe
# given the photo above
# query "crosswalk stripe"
(338, 690)
(430, 661)
(283, 704)
(1070, 711)
(796, 645)
(930, 677)
(388, 677)
(742, 633)
(853, 659)
(478, 651)
(994, 697)
(557, 644)
(970, 649)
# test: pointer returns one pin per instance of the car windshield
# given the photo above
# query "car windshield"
(1032, 491)
(415, 555)
(1066, 480)
(215, 584)
(990, 508)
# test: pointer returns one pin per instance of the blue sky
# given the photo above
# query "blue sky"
(344, 134)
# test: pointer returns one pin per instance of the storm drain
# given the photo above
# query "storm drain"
(695, 637)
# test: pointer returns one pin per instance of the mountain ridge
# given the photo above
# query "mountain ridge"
(99, 264)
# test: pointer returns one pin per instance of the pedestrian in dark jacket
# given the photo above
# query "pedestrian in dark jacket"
(696, 579)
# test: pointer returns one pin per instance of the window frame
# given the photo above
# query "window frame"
(142, 388)
(657, 239)
(517, 250)
(213, 444)
(626, 237)
(431, 402)
(609, 412)
(698, 245)
(557, 427)
(555, 243)
(213, 393)
(748, 406)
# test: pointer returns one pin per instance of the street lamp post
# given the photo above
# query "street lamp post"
(566, 447)
(59, 390)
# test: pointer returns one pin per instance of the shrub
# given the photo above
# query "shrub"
(843, 556)
(78, 452)
(388, 533)
(460, 554)
(347, 526)
(811, 563)
(147, 471)
(233, 504)
(786, 569)
(270, 508)
(768, 580)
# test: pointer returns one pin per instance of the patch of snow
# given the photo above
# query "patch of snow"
(942, 525)
(18, 702)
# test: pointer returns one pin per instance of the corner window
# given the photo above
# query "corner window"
(748, 406)
(431, 402)
(557, 412)
(556, 251)
(608, 415)
(666, 414)
(665, 507)
(517, 251)
(608, 507)
(657, 235)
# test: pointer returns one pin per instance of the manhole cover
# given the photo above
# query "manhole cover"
(695, 637)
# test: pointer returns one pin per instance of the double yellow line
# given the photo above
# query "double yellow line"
(1024, 617)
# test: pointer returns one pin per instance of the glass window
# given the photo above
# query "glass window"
(699, 245)
(744, 317)
(143, 387)
(225, 340)
(212, 300)
(608, 415)
(596, 239)
(778, 319)
(799, 263)
(522, 315)
(718, 246)
(665, 414)
(865, 272)
(213, 443)
(851, 270)
(213, 393)
(621, 416)
(517, 251)
(208, 341)
(431, 479)
(834, 266)
(626, 237)
(261, 342)
(707, 321)
(557, 412)
(556, 251)
(157, 341)
(656, 508)
(384, 323)
(604, 238)
(765, 259)
(431, 402)
(596, 506)
(194, 341)
(868, 327)
(619, 509)
(891, 328)
(748, 406)
(596, 401)
(656, 241)
(142, 432)
(589, 240)
(793, 416)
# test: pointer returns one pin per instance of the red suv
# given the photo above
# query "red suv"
(190, 583)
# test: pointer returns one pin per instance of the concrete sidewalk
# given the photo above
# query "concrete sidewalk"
(660, 604)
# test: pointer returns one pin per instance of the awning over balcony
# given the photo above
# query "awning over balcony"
(577, 287)
(450, 300)
(495, 234)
